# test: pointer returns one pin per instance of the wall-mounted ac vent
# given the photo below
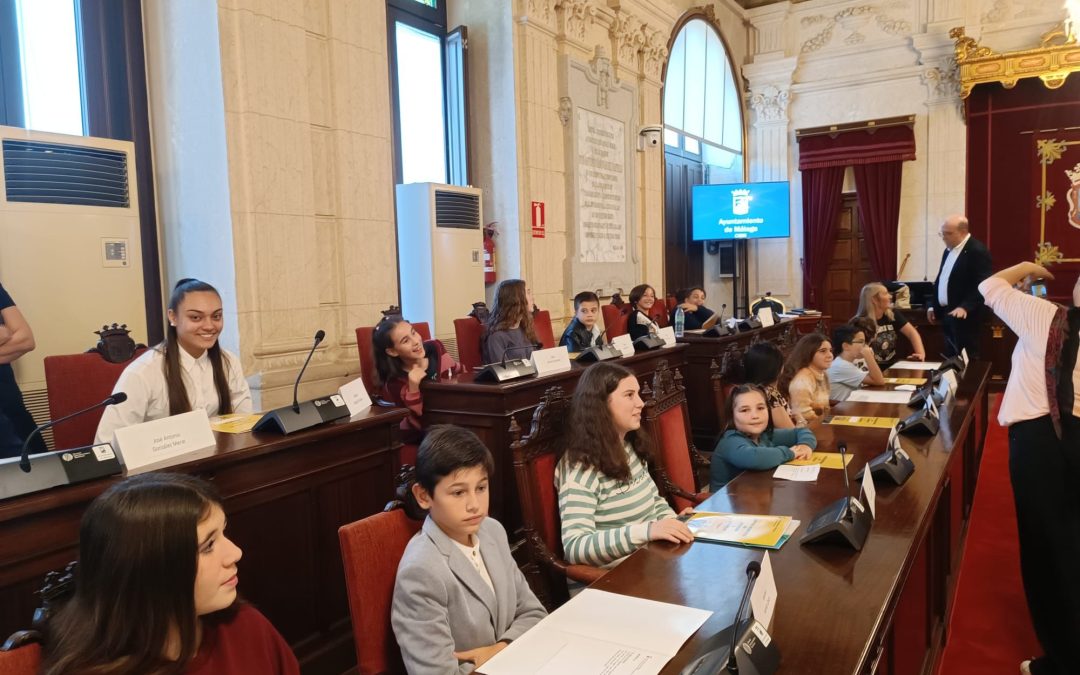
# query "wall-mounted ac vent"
(54, 173)
(457, 209)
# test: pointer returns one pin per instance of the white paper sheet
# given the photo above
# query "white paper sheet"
(763, 597)
(917, 365)
(799, 473)
(600, 632)
(870, 396)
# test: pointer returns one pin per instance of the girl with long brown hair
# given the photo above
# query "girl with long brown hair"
(608, 502)
(189, 370)
(639, 323)
(509, 333)
(155, 591)
(805, 376)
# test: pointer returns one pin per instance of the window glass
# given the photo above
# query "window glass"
(420, 105)
(48, 48)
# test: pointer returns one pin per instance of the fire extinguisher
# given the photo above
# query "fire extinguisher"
(489, 253)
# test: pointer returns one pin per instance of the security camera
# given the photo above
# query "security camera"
(650, 136)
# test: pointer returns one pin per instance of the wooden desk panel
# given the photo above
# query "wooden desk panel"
(488, 409)
(285, 497)
(839, 611)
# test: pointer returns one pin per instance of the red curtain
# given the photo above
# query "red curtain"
(821, 189)
(877, 187)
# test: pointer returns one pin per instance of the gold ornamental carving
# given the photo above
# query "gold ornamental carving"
(1057, 55)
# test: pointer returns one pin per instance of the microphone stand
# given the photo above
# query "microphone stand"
(299, 416)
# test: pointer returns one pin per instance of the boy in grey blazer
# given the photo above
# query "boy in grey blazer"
(459, 598)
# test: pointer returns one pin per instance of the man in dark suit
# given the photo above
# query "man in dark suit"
(957, 302)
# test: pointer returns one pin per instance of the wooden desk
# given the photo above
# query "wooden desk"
(488, 409)
(996, 342)
(839, 611)
(285, 497)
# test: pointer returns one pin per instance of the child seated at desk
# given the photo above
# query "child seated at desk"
(762, 363)
(459, 598)
(804, 376)
(402, 362)
(692, 302)
(582, 332)
(844, 375)
(608, 502)
(509, 333)
(753, 443)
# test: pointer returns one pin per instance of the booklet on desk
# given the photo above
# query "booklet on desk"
(597, 632)
(741, 529)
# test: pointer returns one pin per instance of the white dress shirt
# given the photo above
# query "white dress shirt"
(1030, 318)
(473, 555)
(148, 395)
(946, 270)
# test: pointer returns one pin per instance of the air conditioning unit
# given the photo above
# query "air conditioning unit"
(440, 253)
(70, 251)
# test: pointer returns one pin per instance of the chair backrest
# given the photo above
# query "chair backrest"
(536, 454)
(667, 420)
(724, 377)
(367, 358)
(371, 549)
(469, 331)
(615, 321)
(23, 660)
(542, 325)
(75, 382)
(659, 313)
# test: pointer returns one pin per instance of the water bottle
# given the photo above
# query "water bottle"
(680, 321)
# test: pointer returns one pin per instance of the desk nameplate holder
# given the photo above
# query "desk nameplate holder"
(287, 420)
(648, 342)
(756, 654)
(603, 353)
(61, 467)
(845, 521)
(893, 465)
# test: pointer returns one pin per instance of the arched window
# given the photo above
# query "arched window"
(702, 108)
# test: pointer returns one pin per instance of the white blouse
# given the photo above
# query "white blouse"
(1029, 317)
(148, 395)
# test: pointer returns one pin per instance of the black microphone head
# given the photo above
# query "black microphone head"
(319, 335)
(753, 567)
(118, 397)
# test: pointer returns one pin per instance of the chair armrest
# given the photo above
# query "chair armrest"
(20, 638)
(585, 574)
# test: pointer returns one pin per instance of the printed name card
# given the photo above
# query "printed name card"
(765, 316)
(554, 360)
(157, 444)
(763, 597)
(667, 334)
(356, 396)
(870, 491)
(624, 344)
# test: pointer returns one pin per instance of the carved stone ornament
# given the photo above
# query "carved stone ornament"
(770, 103)
(566, 110)
(575, 16)
(943, 81)
(602, 75)
(655, 52)
(540, 11)
(626, 36)
(852, 21)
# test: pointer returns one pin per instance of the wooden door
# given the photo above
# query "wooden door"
(684, 263)
(849, 267)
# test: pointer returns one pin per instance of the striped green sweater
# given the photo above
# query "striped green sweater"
(605, 520)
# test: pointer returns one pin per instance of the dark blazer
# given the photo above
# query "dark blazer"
(971, 268)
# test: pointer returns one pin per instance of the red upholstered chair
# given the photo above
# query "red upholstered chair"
(371, 549)
(75, 382)
(468, 331)
(535, 456)
(615, 320)
(724, 377)
(542, 325)
(667, 421)
(659, 313)
(367, 360)
(20, 660)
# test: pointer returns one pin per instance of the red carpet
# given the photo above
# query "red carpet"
(990, 629)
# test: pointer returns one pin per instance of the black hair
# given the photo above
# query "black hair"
(683, 293)
(844, 333)
(585, 296)
(762, 363)
(170, 348)
(638, 292)
(446, 449)
(386, 367)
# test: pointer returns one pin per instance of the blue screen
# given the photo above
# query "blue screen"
(740, 211)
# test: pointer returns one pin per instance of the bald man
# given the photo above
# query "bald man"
(957, 302)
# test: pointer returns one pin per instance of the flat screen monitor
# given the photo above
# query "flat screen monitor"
(741, 211)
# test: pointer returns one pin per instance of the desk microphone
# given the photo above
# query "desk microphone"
(753, 569)
(319, 335)
(846, 521)
(501, 372)
(24, 461)
(507, 351)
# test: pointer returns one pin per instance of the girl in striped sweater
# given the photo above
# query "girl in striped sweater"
(608, 502)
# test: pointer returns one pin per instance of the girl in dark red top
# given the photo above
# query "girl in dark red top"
(155, 591)
(403, 361)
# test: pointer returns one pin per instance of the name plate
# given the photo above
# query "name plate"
(160, 443)
(356, 396)
(870, 490)
(667, 334)
(763, 597)
(624, 344)
(548, 361)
